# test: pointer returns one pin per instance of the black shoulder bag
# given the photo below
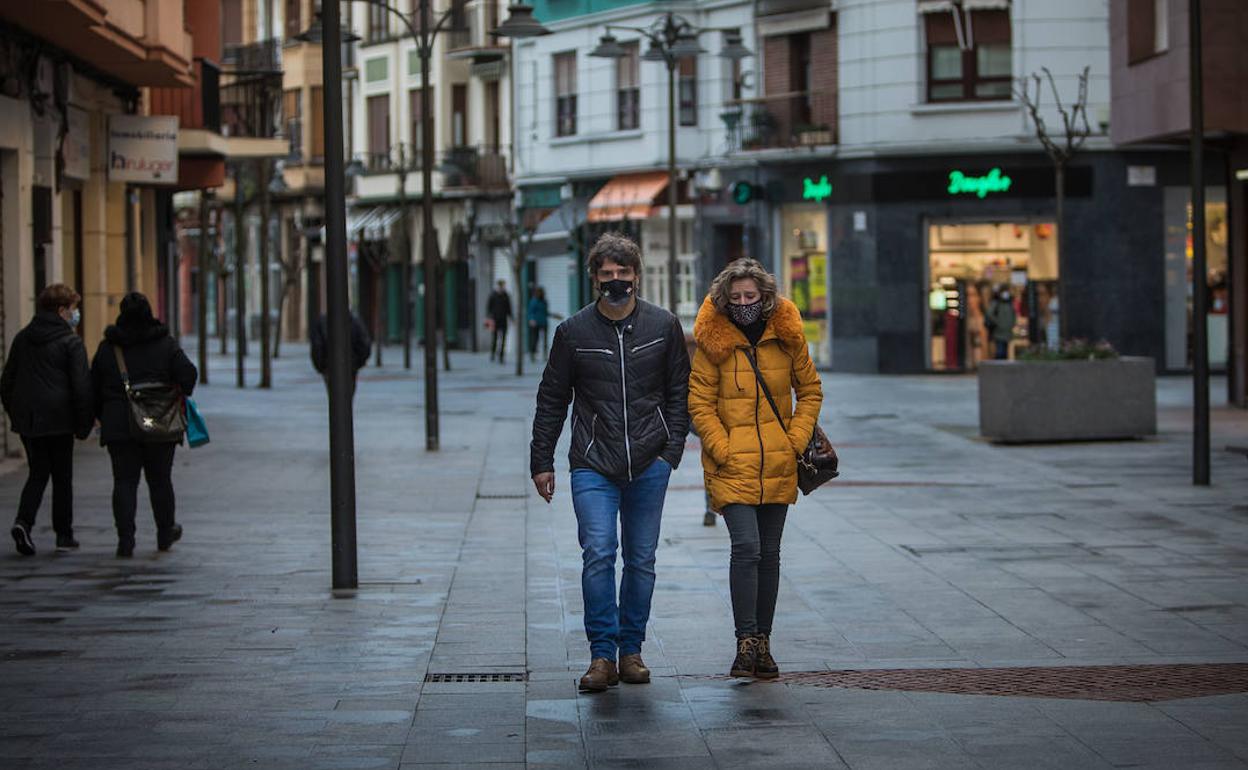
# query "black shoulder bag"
(818, 464)
(157, 410)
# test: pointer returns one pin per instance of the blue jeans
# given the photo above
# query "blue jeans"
(639, 503)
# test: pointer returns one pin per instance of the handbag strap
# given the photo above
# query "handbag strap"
(121, 366)
(766, 391)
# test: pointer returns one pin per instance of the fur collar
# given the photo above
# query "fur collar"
(718, 336)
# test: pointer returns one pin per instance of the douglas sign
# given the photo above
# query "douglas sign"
(143, 149)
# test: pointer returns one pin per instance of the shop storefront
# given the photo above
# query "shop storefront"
(898, 263)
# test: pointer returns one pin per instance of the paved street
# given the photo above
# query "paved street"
(935, 550)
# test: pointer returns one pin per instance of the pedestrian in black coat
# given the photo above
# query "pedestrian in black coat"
(46, 391)
(151, 355)
(498, 311)
(361, 344)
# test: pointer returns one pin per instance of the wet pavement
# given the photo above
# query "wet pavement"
(934, 550)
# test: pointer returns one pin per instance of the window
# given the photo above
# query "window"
(1148, 29)
(565, 94)
(379, 132)
(969, 55)
(231, 22)
(737, 84)
(459, 115)
(418, 129)
(318, 124)
(292, 114)
(378, 23)
(628, 88)
(687, 91)
(294, 21)
(493, 126)
(799, 78)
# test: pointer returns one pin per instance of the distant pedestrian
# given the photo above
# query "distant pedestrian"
(626, 364)
(1000, 322)
(538, 313)
(498, 311)
(150, 354)
(46, 390)
(749, 458)
(361, 344)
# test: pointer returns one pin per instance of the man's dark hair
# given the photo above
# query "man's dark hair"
(57, 296)
(618, 248)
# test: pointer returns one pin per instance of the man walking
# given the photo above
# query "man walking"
(498, 310)
(361, 345)
(625, 362)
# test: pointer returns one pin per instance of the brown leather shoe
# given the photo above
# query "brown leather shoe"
(764, 665)
(600, 676)
(632, 670)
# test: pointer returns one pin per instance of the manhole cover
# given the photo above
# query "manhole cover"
(489, 678)
(1134, 684)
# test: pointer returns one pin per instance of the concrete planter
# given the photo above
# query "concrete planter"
(1032, 401)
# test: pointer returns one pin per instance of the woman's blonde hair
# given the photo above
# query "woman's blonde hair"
(738, 270)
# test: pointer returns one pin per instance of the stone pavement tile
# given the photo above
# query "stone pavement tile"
(898, 749)
(460, 765)
(466, 753)
(466, 717)
(646, 746)
(508, 733)
(556, 750)
(752, 745)
(1138, 750)
(1039, 752)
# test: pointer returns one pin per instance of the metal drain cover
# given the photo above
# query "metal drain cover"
(1136, 684)
(478, 678)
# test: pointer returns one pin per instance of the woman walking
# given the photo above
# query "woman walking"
(749, 459)
(150, 355)
(46, 390)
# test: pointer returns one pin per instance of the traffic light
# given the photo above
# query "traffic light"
(744, 192)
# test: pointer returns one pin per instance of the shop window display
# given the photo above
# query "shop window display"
(804, 265)
(1179, 299)
(993, 291)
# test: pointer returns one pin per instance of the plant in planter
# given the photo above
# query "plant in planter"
(809, 134)
(1080, 391)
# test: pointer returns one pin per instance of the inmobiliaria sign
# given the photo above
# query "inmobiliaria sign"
(143, 148)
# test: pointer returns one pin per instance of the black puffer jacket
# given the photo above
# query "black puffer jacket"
(46, 387)
(151, 356)
(630, 382)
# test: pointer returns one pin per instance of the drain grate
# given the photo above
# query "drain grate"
(479, 678)
(1133, 684)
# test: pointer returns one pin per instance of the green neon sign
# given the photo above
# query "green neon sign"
(816, 191)
(993, 182)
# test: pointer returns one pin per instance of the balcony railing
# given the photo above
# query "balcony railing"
(794, 119)
(197, 107)
(478, 166)
(262, 56)
(251, 106)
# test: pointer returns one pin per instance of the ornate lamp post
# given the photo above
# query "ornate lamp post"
(672, 38)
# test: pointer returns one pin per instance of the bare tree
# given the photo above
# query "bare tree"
(1061, 145)
(292, 273)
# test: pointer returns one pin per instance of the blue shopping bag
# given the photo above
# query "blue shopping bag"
(196, 428)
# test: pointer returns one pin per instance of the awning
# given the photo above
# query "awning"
(372, 224)
(628, 196)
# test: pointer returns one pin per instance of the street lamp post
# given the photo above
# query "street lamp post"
(201, 301)
(341, 428)
(406, 268)
(672, 39)
(1200, 272)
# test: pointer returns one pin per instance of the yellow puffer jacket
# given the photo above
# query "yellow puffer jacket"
(747, 457)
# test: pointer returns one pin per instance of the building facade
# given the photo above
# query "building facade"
(70, 208)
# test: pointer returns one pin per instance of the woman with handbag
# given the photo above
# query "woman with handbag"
(752, 354)
(138, 356)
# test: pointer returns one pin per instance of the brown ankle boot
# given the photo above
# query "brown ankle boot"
(600, 676)
(743, 664)
(764, 665)
(632, 670)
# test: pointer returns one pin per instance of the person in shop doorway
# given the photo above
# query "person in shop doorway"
(498, 312)
(361, 344)
(1000, 322)
(46, 391)
(625, 361)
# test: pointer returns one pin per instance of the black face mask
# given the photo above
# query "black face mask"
(617, 293)
(744, 315)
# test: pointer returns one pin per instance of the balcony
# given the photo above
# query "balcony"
(264, 56)
(483, 167)
(198, 107)
(251, 101)
(469, 38)
(781, 121)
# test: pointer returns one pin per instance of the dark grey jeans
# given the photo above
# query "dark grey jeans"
(754, 569)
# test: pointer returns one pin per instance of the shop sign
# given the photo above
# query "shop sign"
(817, 191)
(980, 186)
(143, 149)
(76, 149)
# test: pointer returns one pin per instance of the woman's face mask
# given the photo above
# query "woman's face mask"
(746, 314)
